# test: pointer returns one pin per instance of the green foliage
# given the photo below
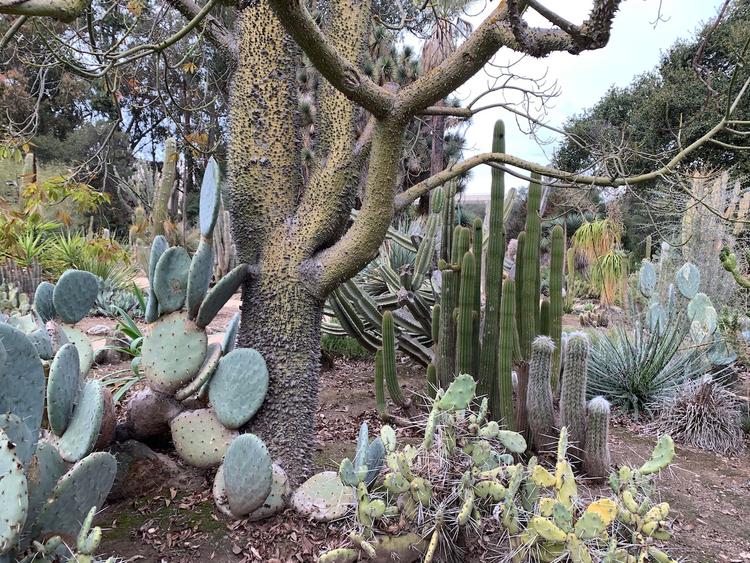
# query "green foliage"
(344, 347)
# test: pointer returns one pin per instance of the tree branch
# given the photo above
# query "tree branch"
(214, 30)
(339, 71)
(407, 197)
(65, 10)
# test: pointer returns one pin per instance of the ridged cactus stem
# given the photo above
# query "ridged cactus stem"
(435, 326)
(389, 361)
(573, 392)
(544, 318)
(446, 346)
(647, 250)
(465, 340)
(379, 384)
(555, 299)
(431, 381)
(596, 461)
(539, 404)
(493, 281)
(521, 243)
(477, 238)
(448, 221)
(570, 278)
(528, 329)
(501, 399)
(164, 190)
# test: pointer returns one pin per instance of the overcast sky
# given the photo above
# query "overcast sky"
(635, 47)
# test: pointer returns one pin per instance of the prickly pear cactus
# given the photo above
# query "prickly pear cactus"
(238, 387)
(14, 492)
(248, 474)
(74, 295)
(200, 438)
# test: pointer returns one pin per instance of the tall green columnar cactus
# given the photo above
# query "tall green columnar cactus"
(556, 299)
(530, 271)
(521, 244)
(164, 190)
(379, 384)
(494, 279)
(465, 340)
(596, 460)
(570, 278)
(501, 399)
(539, 403)
(647, 251)
(477, 238)
(573, 394)
(544, 318)
(389, 360)
(448, 221)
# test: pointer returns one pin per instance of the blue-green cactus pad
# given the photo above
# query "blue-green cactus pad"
(275, 501)
(20, 434)
(13, 495)
(238, 387)
(199, 276)
(42, 342)
(74, 295)
(63, 386)
(210, 198)
(220, 294)
(247, 474)
(43, 473)
(230, 336)
(152, 307)
(158, 247)
(688, 280)
(374, 460)
(82, 432)
(84, 486)
(213, 356)
(647, 279)
(171, 279)
(199, 438)
(173, 351)
(43, 303)
(83, 345)
(3, 355)
(21, 378)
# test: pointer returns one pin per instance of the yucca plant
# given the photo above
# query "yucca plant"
(636, 372)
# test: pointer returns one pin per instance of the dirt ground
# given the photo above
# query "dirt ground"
(709, 494)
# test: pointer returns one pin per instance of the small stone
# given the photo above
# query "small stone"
(98, 330)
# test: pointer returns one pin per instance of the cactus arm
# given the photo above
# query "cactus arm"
(555, 299)
(465, 330)
(501, 404)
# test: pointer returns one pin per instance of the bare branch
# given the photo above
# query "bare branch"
(214, 30)
(65, 10)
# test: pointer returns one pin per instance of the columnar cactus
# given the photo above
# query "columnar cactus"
(164, 191)
(389, 360)
(539, 402)
(596, 460)
(502, 397)
(494, 275)
(573, 392)
(556, 299)
(465, 341)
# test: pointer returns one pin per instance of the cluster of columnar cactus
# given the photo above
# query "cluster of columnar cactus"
(49, 477)
(587, 424)
(428, 501)
(204, 393)
(13, 301)
(701, 316)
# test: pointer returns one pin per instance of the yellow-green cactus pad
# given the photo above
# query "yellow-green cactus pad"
(238, 387)
(199, 438)
(173, 352)
(213, 356)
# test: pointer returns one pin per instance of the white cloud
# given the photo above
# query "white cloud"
(634, 48)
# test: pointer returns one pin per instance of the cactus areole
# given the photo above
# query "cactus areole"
(293, 229)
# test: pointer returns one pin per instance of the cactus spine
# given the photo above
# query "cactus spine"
(389, 360)
(555, 299)
(573, 394)
(539, 404)
(465, 331)
(596, 460)
(164, 191)
(488, 373)
(501, 400)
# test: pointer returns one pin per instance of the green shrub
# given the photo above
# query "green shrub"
(344, 347)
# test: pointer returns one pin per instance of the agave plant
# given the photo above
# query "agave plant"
(635, 372)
